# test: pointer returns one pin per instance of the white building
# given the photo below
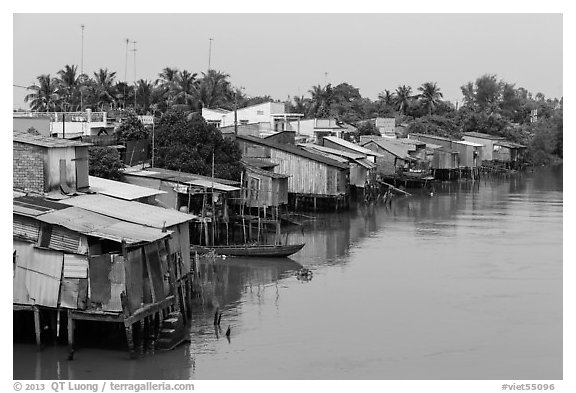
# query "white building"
(271, 116)
(68, 124)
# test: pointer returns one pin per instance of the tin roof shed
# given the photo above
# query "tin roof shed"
(130, 211)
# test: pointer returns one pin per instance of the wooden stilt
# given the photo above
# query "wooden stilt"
(70, 336)
(130, 340)
(37, 326)
(141, 336)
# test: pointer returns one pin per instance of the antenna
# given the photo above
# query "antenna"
(126, 71)
(82, 53)
(135, 86)
(210, 52)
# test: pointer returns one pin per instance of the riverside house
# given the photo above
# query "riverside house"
(89, 256)
(315, 180)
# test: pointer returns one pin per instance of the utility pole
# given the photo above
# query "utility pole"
(209, 53)
(82, 69)
(235, 113)
(135, 86)
(82, 53)
(126, 72)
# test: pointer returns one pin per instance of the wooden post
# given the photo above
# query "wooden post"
(70, 336)
(128, 327)
(141, 336)
(37, 326)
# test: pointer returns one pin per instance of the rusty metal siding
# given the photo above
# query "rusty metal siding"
(64, 240)
(37, 275)
(25, 227)
(75, 266)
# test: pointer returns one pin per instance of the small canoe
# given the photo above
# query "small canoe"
(253, 250)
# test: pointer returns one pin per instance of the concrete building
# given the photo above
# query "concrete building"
(42, 164)
(268, 116)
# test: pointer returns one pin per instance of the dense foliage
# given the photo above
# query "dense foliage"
(490, 105)
(187, 143)
(131, 128)
(105, 162)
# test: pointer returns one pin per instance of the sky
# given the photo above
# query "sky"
(285, 55)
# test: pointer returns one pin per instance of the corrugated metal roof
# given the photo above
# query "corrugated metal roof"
(44, 141)
(342, 153)
(366, 164)
(100, 226)
(121, 190)
(352, 146)
(175, 176)
(510, 145)
(468, 143)
(293, 150)
(398, 149)
(441, 138)
(211, 184)
(331, 156)
(33, 206)
(482, 135)
(130, 211)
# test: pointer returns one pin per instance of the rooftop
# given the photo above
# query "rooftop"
(483, 136)
(351, 146)
(293, 150)
(440, 138)
(121, 190)
(130, 211)
(172, 175)
(101, 226)
(510, 145)
(468, 143)
(398, 149)
(45, 141)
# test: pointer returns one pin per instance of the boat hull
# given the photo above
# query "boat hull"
(268, 251)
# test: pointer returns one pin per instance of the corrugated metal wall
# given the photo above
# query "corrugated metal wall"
(307, 176)
(65, 240)
(37, 275)
(25, 227)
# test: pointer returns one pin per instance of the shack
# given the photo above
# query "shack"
(95, 264)
(395, 157)
(362, 170)
(43, 164)
(510, 154)
(263, 189)
(315, 180)
(445, 163)
(486, 140)
(341, 144)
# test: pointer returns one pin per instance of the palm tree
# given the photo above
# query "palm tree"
(214, 90)
(124, 94)
(166, 81)
(69, 83)
(403, 98)
(321, 100)
(104, 88)
(44, 96)
(430, 95)
(185, 90)
(387, 97)
(301, 105)
(144, 93)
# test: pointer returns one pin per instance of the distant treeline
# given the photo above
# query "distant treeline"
(489, 105)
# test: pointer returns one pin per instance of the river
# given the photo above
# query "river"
(464, 284)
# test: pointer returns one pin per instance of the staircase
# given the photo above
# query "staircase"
(172, 332)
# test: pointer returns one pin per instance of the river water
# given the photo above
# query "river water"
(464, 284)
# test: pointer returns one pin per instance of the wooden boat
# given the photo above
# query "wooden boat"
(253, 250)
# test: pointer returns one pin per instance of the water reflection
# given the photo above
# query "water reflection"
(464, 284)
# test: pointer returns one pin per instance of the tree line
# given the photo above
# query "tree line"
(489, 105)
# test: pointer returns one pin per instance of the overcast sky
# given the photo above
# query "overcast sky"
(286, 54)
